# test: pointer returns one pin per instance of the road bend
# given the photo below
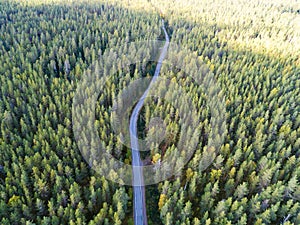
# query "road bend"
(139, 201)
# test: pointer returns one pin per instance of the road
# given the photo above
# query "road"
(139, 201)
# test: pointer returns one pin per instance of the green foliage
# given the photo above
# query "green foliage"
(44, 49)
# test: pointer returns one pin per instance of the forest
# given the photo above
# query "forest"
(248, 175)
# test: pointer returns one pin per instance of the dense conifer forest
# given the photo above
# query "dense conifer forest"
(250, 48)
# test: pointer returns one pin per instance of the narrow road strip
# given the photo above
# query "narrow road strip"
(140, 215)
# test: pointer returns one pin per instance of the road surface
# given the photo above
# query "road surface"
(139, 201)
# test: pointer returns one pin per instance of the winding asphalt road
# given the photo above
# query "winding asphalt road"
(140, 215)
